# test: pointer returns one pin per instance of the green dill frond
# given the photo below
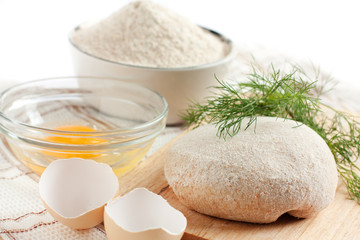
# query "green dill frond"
(287, 95)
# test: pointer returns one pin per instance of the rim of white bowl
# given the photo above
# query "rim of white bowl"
(231, 54)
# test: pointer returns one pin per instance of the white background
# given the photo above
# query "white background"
(34, 44)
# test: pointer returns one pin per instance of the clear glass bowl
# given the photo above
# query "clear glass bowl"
(107, 120)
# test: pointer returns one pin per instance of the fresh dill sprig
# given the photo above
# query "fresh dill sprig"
(285, 95)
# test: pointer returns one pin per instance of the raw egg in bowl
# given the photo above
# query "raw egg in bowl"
(106, 120)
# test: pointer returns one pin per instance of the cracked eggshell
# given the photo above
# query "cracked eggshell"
(141, 215)
(75, 191)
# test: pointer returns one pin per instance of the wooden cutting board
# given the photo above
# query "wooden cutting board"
(340, 220)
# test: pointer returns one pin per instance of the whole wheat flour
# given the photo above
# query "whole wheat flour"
(147, 34)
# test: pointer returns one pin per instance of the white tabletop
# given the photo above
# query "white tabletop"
(34, 44)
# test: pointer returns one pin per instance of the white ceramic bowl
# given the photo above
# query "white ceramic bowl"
(177, 85)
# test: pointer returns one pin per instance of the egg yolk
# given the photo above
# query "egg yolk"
(72, 139)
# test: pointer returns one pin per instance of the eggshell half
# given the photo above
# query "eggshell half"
(75, 190)
(143, 215)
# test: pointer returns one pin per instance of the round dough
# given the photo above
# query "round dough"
(256, 176)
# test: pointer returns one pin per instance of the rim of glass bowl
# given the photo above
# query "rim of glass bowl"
(128, 130)
(230, 55)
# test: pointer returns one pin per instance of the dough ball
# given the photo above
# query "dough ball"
(279, 167)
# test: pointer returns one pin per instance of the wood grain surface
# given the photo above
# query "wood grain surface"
(340, 220)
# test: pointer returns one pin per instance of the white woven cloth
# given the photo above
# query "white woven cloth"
(22, 214)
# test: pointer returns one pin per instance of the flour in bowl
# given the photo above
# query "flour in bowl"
(147, 34)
